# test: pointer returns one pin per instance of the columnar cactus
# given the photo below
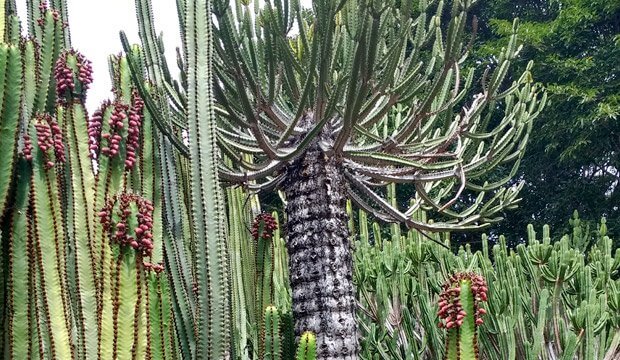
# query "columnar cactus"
(307, 347)
(460, 313)
(88, 286)
(272, 344)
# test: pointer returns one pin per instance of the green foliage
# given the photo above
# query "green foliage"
(545, 299)
(572, 160)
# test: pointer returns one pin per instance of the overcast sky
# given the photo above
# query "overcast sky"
(95, 25)
(94, 32)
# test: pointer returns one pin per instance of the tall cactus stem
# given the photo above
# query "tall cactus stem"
(461, 314)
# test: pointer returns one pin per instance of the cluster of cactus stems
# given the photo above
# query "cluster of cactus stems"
(544, 299)
(460, 313)
(84, 243)
(273, 348)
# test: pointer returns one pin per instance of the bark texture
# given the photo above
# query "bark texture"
(320, 254)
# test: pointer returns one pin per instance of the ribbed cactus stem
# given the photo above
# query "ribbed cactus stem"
(262, 231)
(307, 347)
(461, 314)
(272, 341)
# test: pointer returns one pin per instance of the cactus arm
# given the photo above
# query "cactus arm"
(61, 7)
(18, 331)
(48, 235)
(467, 337)
(243, 272)
(128, 292)
(539, 336)
(3, 13)
(48, 55)
(156, 320)
(148, 37)
(10, 93)
(452, 345)
(177, 256)
(271, 334)
(307, 347)
(30, 54)
(206, 194)
(80, 213)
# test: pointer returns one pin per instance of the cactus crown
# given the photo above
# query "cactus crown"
(263, 226)
(460, 313)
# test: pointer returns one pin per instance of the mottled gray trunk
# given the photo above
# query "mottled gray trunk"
(320, 254)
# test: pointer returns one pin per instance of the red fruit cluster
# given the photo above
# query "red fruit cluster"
(65, 79)
(28, 148)
(94, 129)
(157, 268)
(133, 130)
(49, 139)
(268, 223)
(123, 210)
(451, 310)
(43, 7)
(123, 117)
(117, 123)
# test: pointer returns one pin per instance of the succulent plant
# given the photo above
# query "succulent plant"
(461, 313)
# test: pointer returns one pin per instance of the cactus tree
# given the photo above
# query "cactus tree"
(339, 101)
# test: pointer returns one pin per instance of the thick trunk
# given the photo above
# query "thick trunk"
(320, 255)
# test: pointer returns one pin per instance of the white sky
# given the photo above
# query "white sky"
(95, 25)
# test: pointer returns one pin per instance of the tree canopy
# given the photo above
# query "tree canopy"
(572, 161)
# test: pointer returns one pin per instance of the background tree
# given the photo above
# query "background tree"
(572, 162)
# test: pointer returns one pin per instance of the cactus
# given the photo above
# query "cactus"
(460, 313)
(307, 347)
(85, 257)
(271, 335)
(312, 115)
(544, 299)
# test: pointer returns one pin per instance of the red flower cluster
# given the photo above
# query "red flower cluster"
(66, 82)
(268, 223)
(133, 131)
(123, 117)
(129, 220)
(49, 138)
(451, 310)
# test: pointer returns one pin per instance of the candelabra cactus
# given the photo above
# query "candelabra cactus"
(460, 313)
(313, 116)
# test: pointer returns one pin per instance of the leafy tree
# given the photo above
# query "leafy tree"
(572, 161)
